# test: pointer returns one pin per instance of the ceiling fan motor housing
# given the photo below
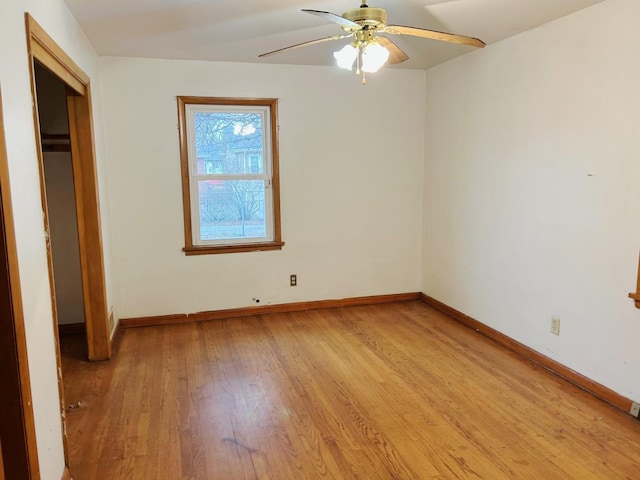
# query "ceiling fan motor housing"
(371, 18)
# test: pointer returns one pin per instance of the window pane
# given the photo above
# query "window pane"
(231, 209)
(228, 142)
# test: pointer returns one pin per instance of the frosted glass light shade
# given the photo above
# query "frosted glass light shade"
(374, 56)
(346, 56)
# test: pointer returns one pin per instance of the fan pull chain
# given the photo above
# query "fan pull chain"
(358, 64)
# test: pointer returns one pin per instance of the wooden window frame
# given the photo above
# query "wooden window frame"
(192, 249)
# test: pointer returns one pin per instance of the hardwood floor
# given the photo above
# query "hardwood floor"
(395, 391)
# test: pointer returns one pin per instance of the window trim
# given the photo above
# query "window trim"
(190, 248)
(636, 296)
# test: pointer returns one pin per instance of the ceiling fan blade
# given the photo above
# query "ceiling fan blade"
(433, 34)
(332, 17)
(395, 54)
(303, 44)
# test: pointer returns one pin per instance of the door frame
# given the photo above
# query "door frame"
(43, 49)
(17, 425)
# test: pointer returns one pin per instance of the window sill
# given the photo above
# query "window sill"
(217, 249)
(636, 297)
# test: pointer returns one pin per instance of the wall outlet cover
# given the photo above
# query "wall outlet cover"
(555, 326)
(635, 409)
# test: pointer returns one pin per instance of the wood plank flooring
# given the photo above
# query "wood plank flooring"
(396, 391)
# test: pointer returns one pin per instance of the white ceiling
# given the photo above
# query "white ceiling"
(238, 31)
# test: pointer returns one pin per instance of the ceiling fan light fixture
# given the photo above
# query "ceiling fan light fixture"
(374, 56)
(346, 56)
(368, 52)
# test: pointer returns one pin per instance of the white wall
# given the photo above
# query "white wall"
(27, 212)
(63, 228)
(532, 188)
(350, 168)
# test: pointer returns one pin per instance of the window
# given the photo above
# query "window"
(230, 188)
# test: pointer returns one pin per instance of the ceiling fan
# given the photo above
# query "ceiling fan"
(370, 51)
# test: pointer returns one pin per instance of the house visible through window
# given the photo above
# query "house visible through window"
(229, 174)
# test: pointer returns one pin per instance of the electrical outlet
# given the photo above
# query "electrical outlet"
(635, 409)
(555, 326)
(293, 280)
